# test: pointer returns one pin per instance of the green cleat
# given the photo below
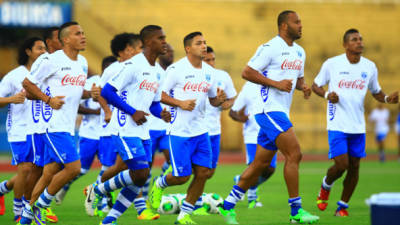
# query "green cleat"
(155, 195)
(303, 217)
(229, 215)
(185, 220)
(169, 170)
(202, 211)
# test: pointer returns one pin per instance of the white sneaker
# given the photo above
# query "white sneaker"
(90, 195)
(59, 198)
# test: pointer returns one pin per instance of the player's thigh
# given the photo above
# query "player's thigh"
(288, 144)
(263, 157)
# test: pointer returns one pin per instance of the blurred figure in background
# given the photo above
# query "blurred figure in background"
(380, 117)
(397, 127)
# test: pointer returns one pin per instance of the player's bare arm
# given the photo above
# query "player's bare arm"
(239, 116)
(302, 86)
(32, 89)
(254, 76)
(320, 91)
(165, 115)
(227, 104)
(106, 109)
(86, 111)
(390, 99)
(15, 99)
(219, 99)
(183, 104)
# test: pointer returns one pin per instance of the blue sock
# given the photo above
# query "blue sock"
(187, 207)
(3, 188)
(123, 179)
(161, 181)
(342, 205)
(145, 188)
(199, 203)
(45, 199)
(295, 205)
(27, 215)
(24, 201)
(252, 194)
(233, 197)
(103, 168)
(17, 208)
(124, 201)
(140, 205)
(165, 166)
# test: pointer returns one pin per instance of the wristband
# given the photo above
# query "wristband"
(326, 95)
(386, 97)
(48, 100)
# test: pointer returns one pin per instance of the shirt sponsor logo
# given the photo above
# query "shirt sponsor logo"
(149, 86)
(197, 87)
(146, 74)
(331, 111)
(47, 111)
(344, 73)
(292, 65)
(36, 110)
(79, 80)
(264, 90)
(189, 76)
(9, 117)
(173, 110)
(65, 68)
(285, 53)
(352, 84)
(121, 115)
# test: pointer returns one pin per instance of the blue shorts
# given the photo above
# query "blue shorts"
(380, 136)
(132, 151)
(107, 151)
(271, 125)
(215, 144)
(342, 143)
(251, 153)
(185, 151)
(22, 151)
(60, 148)
(88, 149)
(159, 140)
(38, 146)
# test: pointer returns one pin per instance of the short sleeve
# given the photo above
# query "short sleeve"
(108, 74)
(373, 84)
(41, 69)
(229, 88)
(212, 91)
(323, 76)
(6, 87)
(239, 102)
(262, 58)
(125, 77)
(170, 80)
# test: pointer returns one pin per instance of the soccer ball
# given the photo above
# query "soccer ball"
(168, 205)
(211, 201)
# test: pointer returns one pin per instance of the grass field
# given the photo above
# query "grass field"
(374, 178)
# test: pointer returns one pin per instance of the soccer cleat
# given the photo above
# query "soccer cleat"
(229, 215)
(59, 198)
(17, 219)
(2, 205)
(111, 199)
(202, 211)
(90, 196)
(147, 214)
(50, 215)
(342, 213)
(185, 220)
(303, 216)
(112, 223)
(167, 171)
(254, 204)
(322, 199)
(155, 195)
(99, 213)
(39, 215)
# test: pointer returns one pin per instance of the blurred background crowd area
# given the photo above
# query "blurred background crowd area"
(234, 28)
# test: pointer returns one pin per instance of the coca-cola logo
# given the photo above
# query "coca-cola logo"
(199, 87)
(36, 110)
(292, 65)
(79, 80)
(149, 86)
(352, 84)
(121, 115)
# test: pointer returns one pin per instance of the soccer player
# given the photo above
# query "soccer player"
(51, 40)
(348, 77)
(278, 68)
(137, 85)
(380, 117)
(88, 130)
(241, 111)
(13, 95)
(190, 82)
(64, 74)
(397, 127)
(158, 127)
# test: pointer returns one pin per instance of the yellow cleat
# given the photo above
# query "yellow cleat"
(147, 214)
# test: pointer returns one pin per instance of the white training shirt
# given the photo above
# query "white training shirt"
(18, 114)
(381, 119)
(185, 82)
(62, 77)
(350, 82)
(137, 84)
(155, 123)
(213, 114)
(245, 100)
(90, 125)
(277, 61)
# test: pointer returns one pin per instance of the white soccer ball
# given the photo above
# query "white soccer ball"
(168, 205)
(212, 200)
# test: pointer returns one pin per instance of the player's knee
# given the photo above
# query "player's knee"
(24, 169)
(182, 180)
(140, 177)
(294, 156)
(342, 166)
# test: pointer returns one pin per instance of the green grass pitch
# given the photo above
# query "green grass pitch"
(374, 178)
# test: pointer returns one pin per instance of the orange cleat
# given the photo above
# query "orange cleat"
(342, 212)
(322, 199)
(2, 205)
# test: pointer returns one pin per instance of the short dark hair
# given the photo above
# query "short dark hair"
(209, 49)
(147, 31)
(107, 61)
(283, 16)
(48, 33)
(28, 44)
(347, 33)
(121, 41)
(63, 27)
(187, 41)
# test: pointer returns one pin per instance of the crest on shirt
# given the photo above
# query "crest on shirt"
(364, 75)
(158, 76)
(208, 77)
(299, 54)
(85, 69)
